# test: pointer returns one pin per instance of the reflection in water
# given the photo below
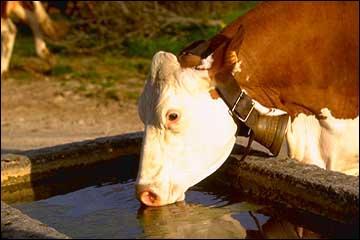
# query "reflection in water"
(183, 220)
(112, 211)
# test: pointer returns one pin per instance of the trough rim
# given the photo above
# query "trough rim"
(108, 148)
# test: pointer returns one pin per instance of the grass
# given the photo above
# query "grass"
(60, 70)
(145, 47)
(114, 75)
(106, 77)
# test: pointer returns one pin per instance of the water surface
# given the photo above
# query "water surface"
(110, 210)
(99, 202)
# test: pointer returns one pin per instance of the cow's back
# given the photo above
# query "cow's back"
(301, 57)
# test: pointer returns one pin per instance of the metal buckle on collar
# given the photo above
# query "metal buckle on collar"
(232, 112)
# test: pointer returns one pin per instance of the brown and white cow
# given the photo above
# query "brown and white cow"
(34, 15)
(297, 58)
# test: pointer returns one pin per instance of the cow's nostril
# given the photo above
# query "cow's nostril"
(148, 198)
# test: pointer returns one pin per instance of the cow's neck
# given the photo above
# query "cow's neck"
(267, 130)
(293, 92)
(285, 67)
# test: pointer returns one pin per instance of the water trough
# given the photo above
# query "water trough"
(312, 197)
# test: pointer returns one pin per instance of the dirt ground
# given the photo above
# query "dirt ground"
(36, 114)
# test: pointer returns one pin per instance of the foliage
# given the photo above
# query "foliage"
(142, 28)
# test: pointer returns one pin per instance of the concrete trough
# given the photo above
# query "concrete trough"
(16, 225)
(284, 183)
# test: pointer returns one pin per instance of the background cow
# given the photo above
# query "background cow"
(295, 58)
(34, 15)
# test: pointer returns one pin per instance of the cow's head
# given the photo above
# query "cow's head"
(188, 131)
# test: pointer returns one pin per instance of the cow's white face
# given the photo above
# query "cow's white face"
(188, 134)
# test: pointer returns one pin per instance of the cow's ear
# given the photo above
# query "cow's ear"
(219, 45)
(191, 55)
(196, 48)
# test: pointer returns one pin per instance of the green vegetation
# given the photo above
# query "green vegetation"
(59, 70)
(146, 47)
(116, 72)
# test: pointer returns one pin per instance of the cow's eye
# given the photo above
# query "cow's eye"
(172, 116)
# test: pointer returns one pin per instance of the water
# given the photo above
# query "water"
(99, 202)
(112, 211)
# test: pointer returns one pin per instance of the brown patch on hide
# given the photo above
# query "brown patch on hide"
(214, 94)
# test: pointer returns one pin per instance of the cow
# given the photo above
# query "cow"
(295, 62)
(34, 15)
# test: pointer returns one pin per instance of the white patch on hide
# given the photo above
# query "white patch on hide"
(329, 143)
(267, 111)
(206, 63)
(237, 68)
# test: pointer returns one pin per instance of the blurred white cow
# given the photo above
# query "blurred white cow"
(34, 15)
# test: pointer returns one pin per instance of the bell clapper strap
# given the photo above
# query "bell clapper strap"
(233, 112)
(247, 149)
